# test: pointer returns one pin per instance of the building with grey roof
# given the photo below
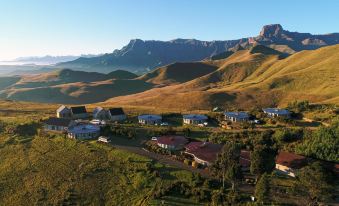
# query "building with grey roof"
(236, 116)
(149, 119)
(276, 112)
(194, 119)
(84, 131)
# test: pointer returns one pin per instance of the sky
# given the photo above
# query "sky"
(73, 27)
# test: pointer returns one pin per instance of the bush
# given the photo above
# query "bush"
(27, 129)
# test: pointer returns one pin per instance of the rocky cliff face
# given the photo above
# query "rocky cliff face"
(276, 35)
(141, 56)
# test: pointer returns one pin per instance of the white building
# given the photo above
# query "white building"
(64, 112)
(79, 112)
(85, 131)
(117, 114)
(100, 113)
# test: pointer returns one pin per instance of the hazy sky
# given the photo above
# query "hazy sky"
(62, 27)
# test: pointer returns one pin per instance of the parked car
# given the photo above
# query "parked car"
(98, 122)
(164, 124)
(154, 138)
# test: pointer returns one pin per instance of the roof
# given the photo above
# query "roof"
(149, 117)
(237, 115)
(58, 121)
(205, 151)
(276, 111)
(291, 160)
(245, 158)
(79, 110)
(97, 110)
(61, 108)
(116, 111)
(195, 117)
(85, 128)
(172, 140)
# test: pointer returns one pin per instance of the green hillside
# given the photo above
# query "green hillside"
(49, 170)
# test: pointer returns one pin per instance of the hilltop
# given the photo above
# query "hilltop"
(141, 56)
(178, 73)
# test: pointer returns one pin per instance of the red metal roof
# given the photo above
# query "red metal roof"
(291, 160)
(172, 140)
(205, 151)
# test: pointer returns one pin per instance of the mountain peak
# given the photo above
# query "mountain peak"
(271, 30)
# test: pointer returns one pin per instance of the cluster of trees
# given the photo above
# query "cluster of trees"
(283, 136)
(299, 106)
(23, 129)
(315, 183)
(227, 165)
(197, 189)
(321, 144)
(109, 130)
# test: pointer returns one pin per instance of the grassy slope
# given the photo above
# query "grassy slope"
(62, 171)
(67, 86)
(178, 73)
(80, 92)
(247, 79)
(8, 81)
(49, 170)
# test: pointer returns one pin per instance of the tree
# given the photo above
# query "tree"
(263, 155)
(262, 160)
(322, 144)
(227, 165)
(262, 189)
(315, 181)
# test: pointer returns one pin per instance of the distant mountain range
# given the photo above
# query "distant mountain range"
(45, 60)
(142, 56)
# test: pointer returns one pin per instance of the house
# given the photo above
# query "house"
(79, 112)
(64, 112)
(104, 139)
(149, 119)
(172, 142)
(275, 112)
(116, 114)
(84, 131)
(287, 163)
(237, 116)
(58, 124)
(204, 153)
(100, 113)
(195, 119)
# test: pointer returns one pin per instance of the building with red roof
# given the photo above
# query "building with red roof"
(288, 163)
(171, 142)
(204, 153)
